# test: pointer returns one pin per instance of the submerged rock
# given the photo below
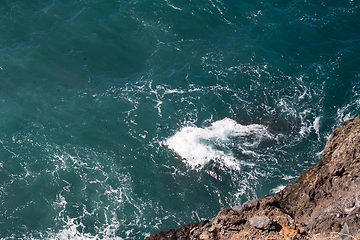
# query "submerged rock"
(324, 199)
(274, 125)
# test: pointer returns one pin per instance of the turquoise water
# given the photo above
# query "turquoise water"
(119, 119)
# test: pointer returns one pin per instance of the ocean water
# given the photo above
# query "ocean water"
(119, 119)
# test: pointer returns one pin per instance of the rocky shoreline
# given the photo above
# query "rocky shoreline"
(323, 203)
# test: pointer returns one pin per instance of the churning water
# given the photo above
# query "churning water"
(120, 119)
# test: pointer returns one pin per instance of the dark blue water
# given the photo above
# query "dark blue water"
(119, 119)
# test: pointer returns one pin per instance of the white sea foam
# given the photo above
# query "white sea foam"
(198, 146)
(72, 232)
(316, 126)
(288, 177)
(277, 189)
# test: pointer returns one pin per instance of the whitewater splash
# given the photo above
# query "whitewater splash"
(198, 146)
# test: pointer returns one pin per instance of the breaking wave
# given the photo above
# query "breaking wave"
(198, 146)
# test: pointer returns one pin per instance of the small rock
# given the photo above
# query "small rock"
(344, 233)
(268, 201)
(251, 204)
(205, 235)
(238, 208)
(262, 222)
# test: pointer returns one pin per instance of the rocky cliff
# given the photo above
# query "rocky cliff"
(323, 202)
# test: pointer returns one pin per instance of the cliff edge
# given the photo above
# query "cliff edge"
(323, 202)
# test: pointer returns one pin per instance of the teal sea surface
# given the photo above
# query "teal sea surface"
(119, 119)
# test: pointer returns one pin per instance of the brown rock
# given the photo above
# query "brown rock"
(323, 195)
(251, 205)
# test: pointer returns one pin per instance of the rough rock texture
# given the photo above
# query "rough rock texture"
(262, 222)
(325, 199)
(328, 193)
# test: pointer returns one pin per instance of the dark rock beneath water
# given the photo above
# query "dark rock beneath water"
(324, 199)
(274, 125)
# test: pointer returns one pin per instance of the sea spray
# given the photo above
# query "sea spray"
(198, 146)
